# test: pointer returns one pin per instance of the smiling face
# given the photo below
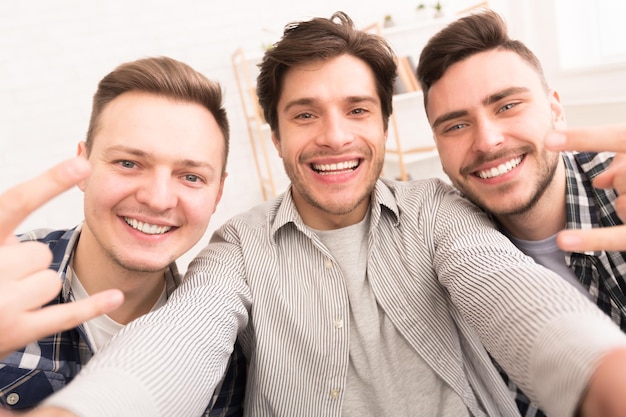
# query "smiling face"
(156, 179)
(490, 113)
(331, 139)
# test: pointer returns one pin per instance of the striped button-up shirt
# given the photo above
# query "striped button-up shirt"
(453, 286)
(31, 374)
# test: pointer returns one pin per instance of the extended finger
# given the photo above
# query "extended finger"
(609, 239)
(34, 325)
(614, 176)
(22, 259)
(61, 317)
(596, 139)
(35, 290)
(18, 202)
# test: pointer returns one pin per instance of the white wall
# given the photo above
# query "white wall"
(54, 53)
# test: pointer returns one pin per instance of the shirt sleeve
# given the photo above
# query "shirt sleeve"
(168, 362)
(540, 329)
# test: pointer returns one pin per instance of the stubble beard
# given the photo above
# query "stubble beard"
(130, 265)
(540, 186)
(338, 209)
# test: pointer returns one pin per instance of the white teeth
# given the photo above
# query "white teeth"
(500, 169)
(149, 229)
(341, 166)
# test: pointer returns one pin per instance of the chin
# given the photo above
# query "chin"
(143, 266)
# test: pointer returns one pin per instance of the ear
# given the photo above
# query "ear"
(276, 143)
(82, 152)
(558, 113)
(220, 191)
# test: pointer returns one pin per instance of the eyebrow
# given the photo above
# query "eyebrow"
(307, 101)
(490, 99)
(494, 98)
(448, 116)
(139, 153)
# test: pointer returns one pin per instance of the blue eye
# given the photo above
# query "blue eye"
(455, 127)
(127, 164)
(507, 107)
(192, 178)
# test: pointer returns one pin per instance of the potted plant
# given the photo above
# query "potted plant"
(421, 12)
(438, 9)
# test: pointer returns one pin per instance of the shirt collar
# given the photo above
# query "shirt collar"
(283, 211)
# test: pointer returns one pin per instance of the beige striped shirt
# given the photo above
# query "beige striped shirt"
(448, 281)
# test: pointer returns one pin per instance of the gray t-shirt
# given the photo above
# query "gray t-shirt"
(385, 375)
(547, 253)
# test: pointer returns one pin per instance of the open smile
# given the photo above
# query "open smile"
(501, 169)
(149, 229)
(336, 168)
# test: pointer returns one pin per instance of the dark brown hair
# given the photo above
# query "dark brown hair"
(165, 77)
(469, 35)
(323, 39)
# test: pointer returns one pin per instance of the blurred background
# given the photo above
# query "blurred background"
(54, 53)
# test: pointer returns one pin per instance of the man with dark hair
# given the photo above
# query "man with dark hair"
(352, 294)
(490, 109)
(157, 144)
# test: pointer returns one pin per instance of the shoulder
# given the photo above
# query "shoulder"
(587, 163)
(418, 196)
(49, 236)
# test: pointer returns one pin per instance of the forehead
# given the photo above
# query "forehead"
(159, 125)
(341, 76)
(482, 74)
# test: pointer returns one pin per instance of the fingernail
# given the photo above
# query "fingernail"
(78, 167)
(556, 140)
(568, 240)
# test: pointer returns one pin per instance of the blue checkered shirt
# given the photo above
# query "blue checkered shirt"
(33, 373)
(601, 273)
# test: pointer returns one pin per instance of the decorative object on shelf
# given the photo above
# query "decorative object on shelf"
(407, 80)
(388, 21)
(439, 11)
(421, 13)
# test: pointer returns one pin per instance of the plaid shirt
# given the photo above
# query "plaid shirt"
(601, 273)
(33, 373)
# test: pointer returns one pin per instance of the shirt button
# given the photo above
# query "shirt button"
(13, 398)
(329, 263)
(338, 323)
(334, 394)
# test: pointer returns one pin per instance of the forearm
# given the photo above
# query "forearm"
(165, 363)
(540, 329)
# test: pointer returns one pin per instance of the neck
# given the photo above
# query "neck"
(98, 272)
(546, 218)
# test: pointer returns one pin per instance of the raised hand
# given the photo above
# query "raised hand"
(598, 139)
(26, 283)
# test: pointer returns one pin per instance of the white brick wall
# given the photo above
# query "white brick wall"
(53, 53)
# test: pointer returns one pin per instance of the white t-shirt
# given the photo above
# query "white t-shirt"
(102, 328)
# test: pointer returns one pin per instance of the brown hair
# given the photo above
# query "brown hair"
(465, 37)
(165, 77)
(323, 39)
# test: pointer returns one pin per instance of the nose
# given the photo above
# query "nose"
(337, 131)
(157, 191)
(487, 136)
